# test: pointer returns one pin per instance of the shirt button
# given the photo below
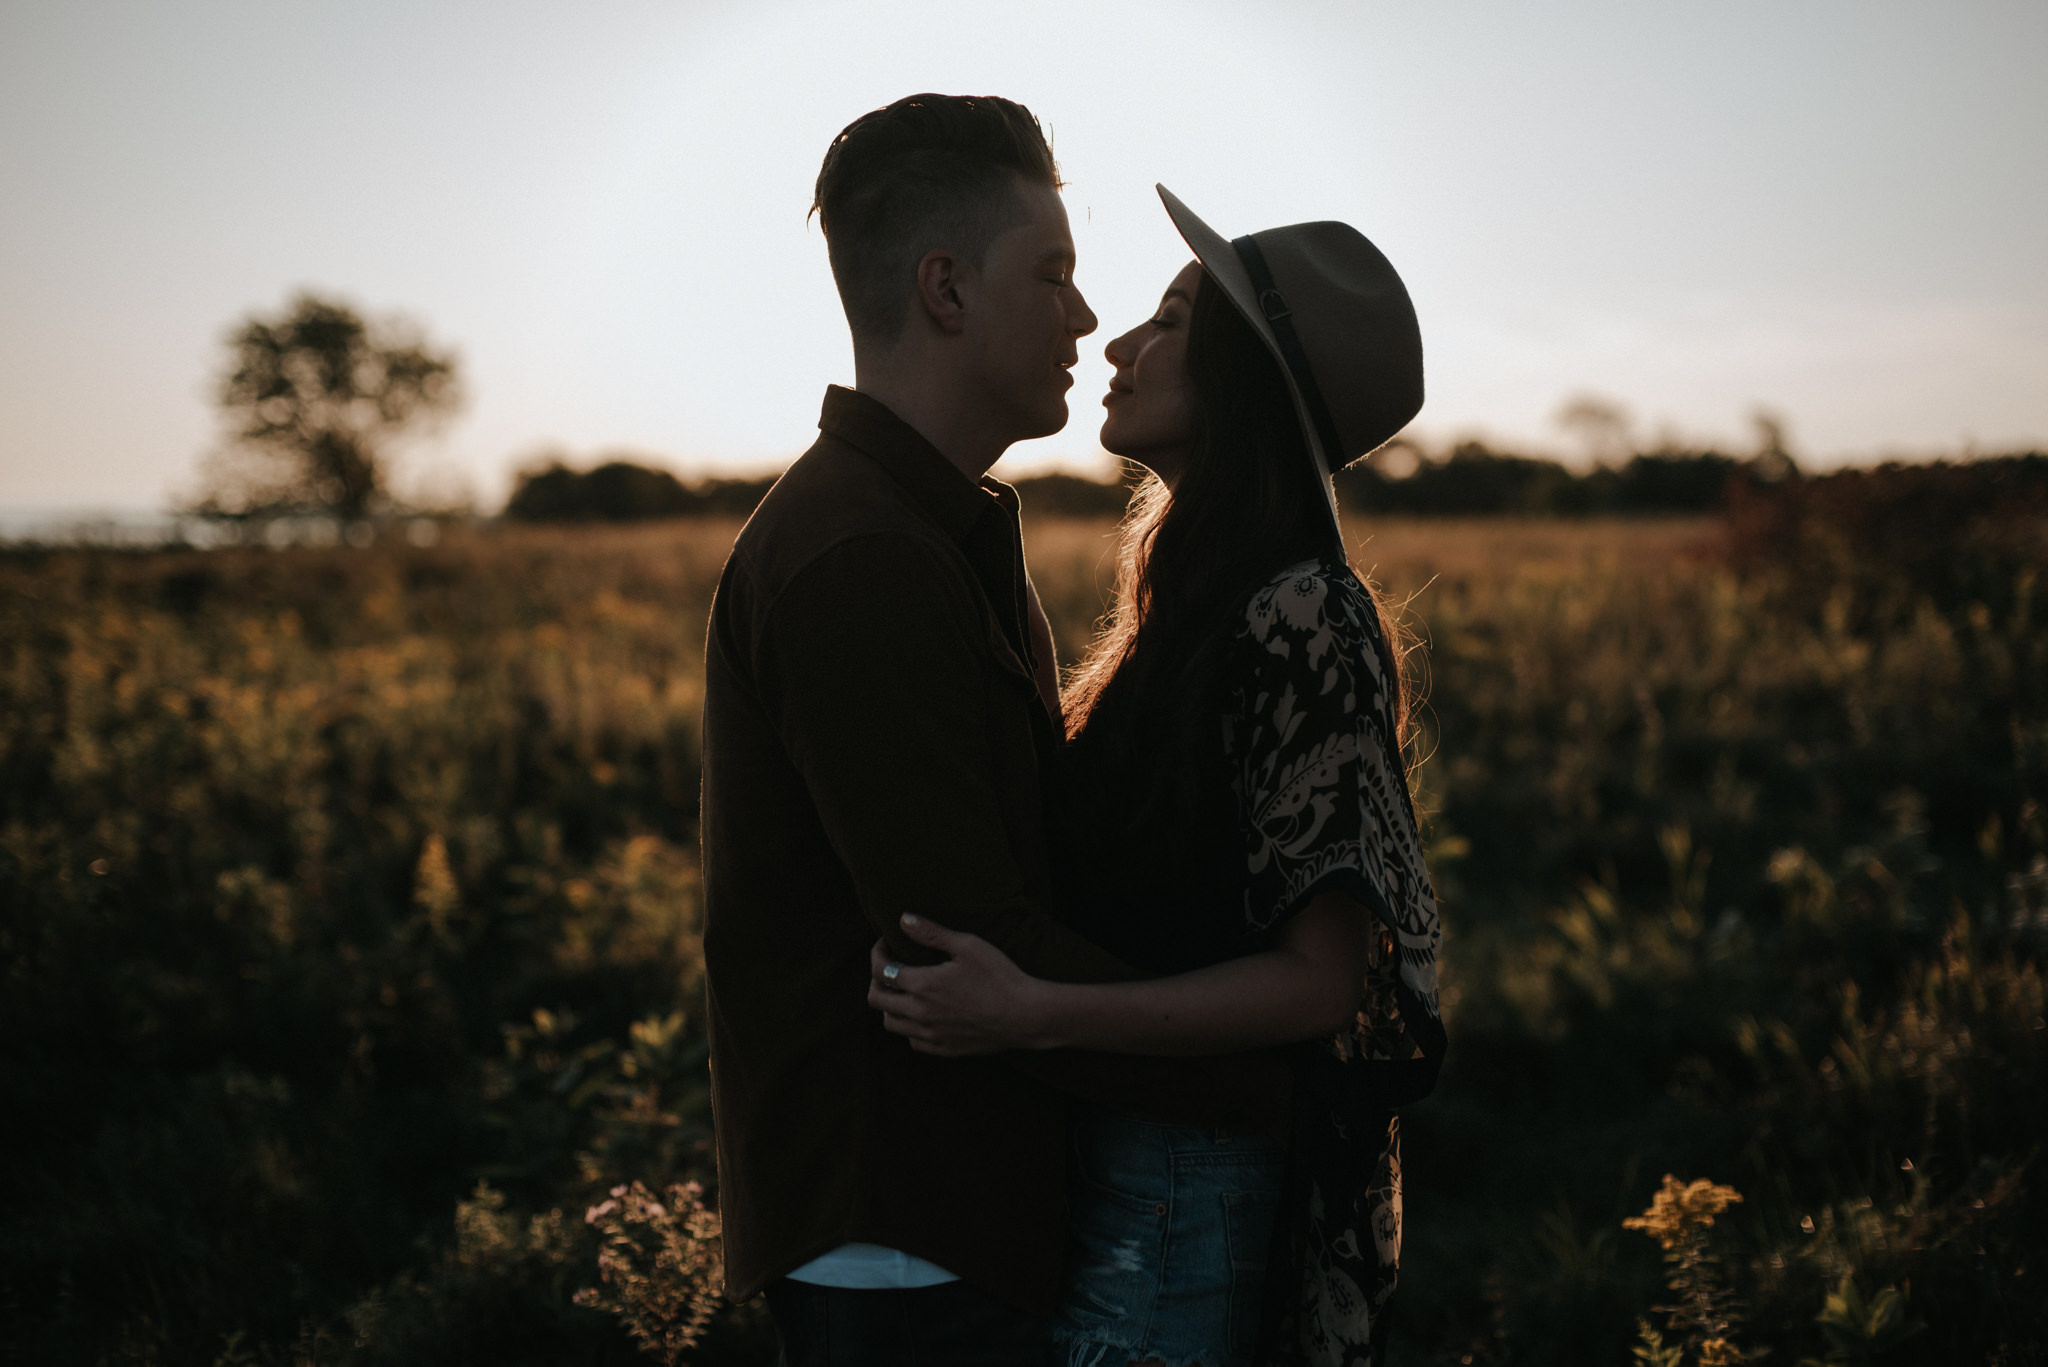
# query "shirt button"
(1159, 1209)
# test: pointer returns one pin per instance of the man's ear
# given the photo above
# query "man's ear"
(940, 276)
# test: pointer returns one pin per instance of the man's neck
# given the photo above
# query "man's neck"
(937, 415)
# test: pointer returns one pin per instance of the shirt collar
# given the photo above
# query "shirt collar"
(936, 485)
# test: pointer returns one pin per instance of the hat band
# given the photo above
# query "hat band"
(1279, 317)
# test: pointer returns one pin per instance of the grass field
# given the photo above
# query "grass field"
(348, 923)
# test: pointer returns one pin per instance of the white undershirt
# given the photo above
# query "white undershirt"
(871, 1267)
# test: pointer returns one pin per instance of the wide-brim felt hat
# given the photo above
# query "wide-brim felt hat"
(1334, 313)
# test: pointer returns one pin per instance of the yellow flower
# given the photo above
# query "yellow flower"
(1681, 1208)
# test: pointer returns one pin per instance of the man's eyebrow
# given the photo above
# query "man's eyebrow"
(1179, 294)
(1052, 254)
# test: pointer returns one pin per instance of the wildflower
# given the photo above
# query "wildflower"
(1704, 1313)
(1681, 1209)
(660, 1267)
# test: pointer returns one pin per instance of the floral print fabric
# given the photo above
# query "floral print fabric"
(1316, 761)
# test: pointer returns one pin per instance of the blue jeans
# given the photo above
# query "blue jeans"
(952, 1324)
(1168, 1244)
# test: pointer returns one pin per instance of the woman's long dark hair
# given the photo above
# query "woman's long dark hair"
(1246, 506)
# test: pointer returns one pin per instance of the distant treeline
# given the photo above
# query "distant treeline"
(1470, 480)
(624, 491)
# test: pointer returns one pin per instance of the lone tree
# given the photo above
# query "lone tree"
(313, 399)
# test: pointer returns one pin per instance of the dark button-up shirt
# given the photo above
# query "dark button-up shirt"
(874, 732)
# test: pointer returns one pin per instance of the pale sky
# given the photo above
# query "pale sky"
(1833, 208)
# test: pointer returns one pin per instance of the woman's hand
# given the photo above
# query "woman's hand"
(978, 1002)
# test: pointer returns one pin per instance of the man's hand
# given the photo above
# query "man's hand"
(977, 1002)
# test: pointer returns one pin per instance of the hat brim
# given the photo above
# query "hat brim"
(1227, 269)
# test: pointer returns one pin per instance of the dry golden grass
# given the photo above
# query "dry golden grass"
(1405, 553)
(1073, 561)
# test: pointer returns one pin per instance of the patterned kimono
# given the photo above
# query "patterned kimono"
(1316, 767)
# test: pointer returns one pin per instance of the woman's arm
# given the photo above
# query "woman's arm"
(979, 1002)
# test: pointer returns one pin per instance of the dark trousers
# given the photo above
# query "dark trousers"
(950, 1325)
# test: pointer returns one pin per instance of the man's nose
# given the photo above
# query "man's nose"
(1081, 319)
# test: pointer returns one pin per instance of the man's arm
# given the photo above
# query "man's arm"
(1305, 986)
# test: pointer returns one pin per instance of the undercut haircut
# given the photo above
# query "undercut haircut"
(927, 171)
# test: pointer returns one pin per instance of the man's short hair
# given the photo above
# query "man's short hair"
(927, 171)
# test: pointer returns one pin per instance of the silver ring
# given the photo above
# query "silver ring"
(889, 972)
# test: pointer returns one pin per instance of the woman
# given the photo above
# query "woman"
(1233, 813)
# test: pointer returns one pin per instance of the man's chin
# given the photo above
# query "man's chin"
(1047, 422)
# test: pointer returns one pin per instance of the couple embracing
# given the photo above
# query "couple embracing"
(1065, 1024)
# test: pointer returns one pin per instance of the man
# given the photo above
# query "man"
(879, 698)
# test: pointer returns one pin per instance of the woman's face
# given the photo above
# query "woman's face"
(1150, 403)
